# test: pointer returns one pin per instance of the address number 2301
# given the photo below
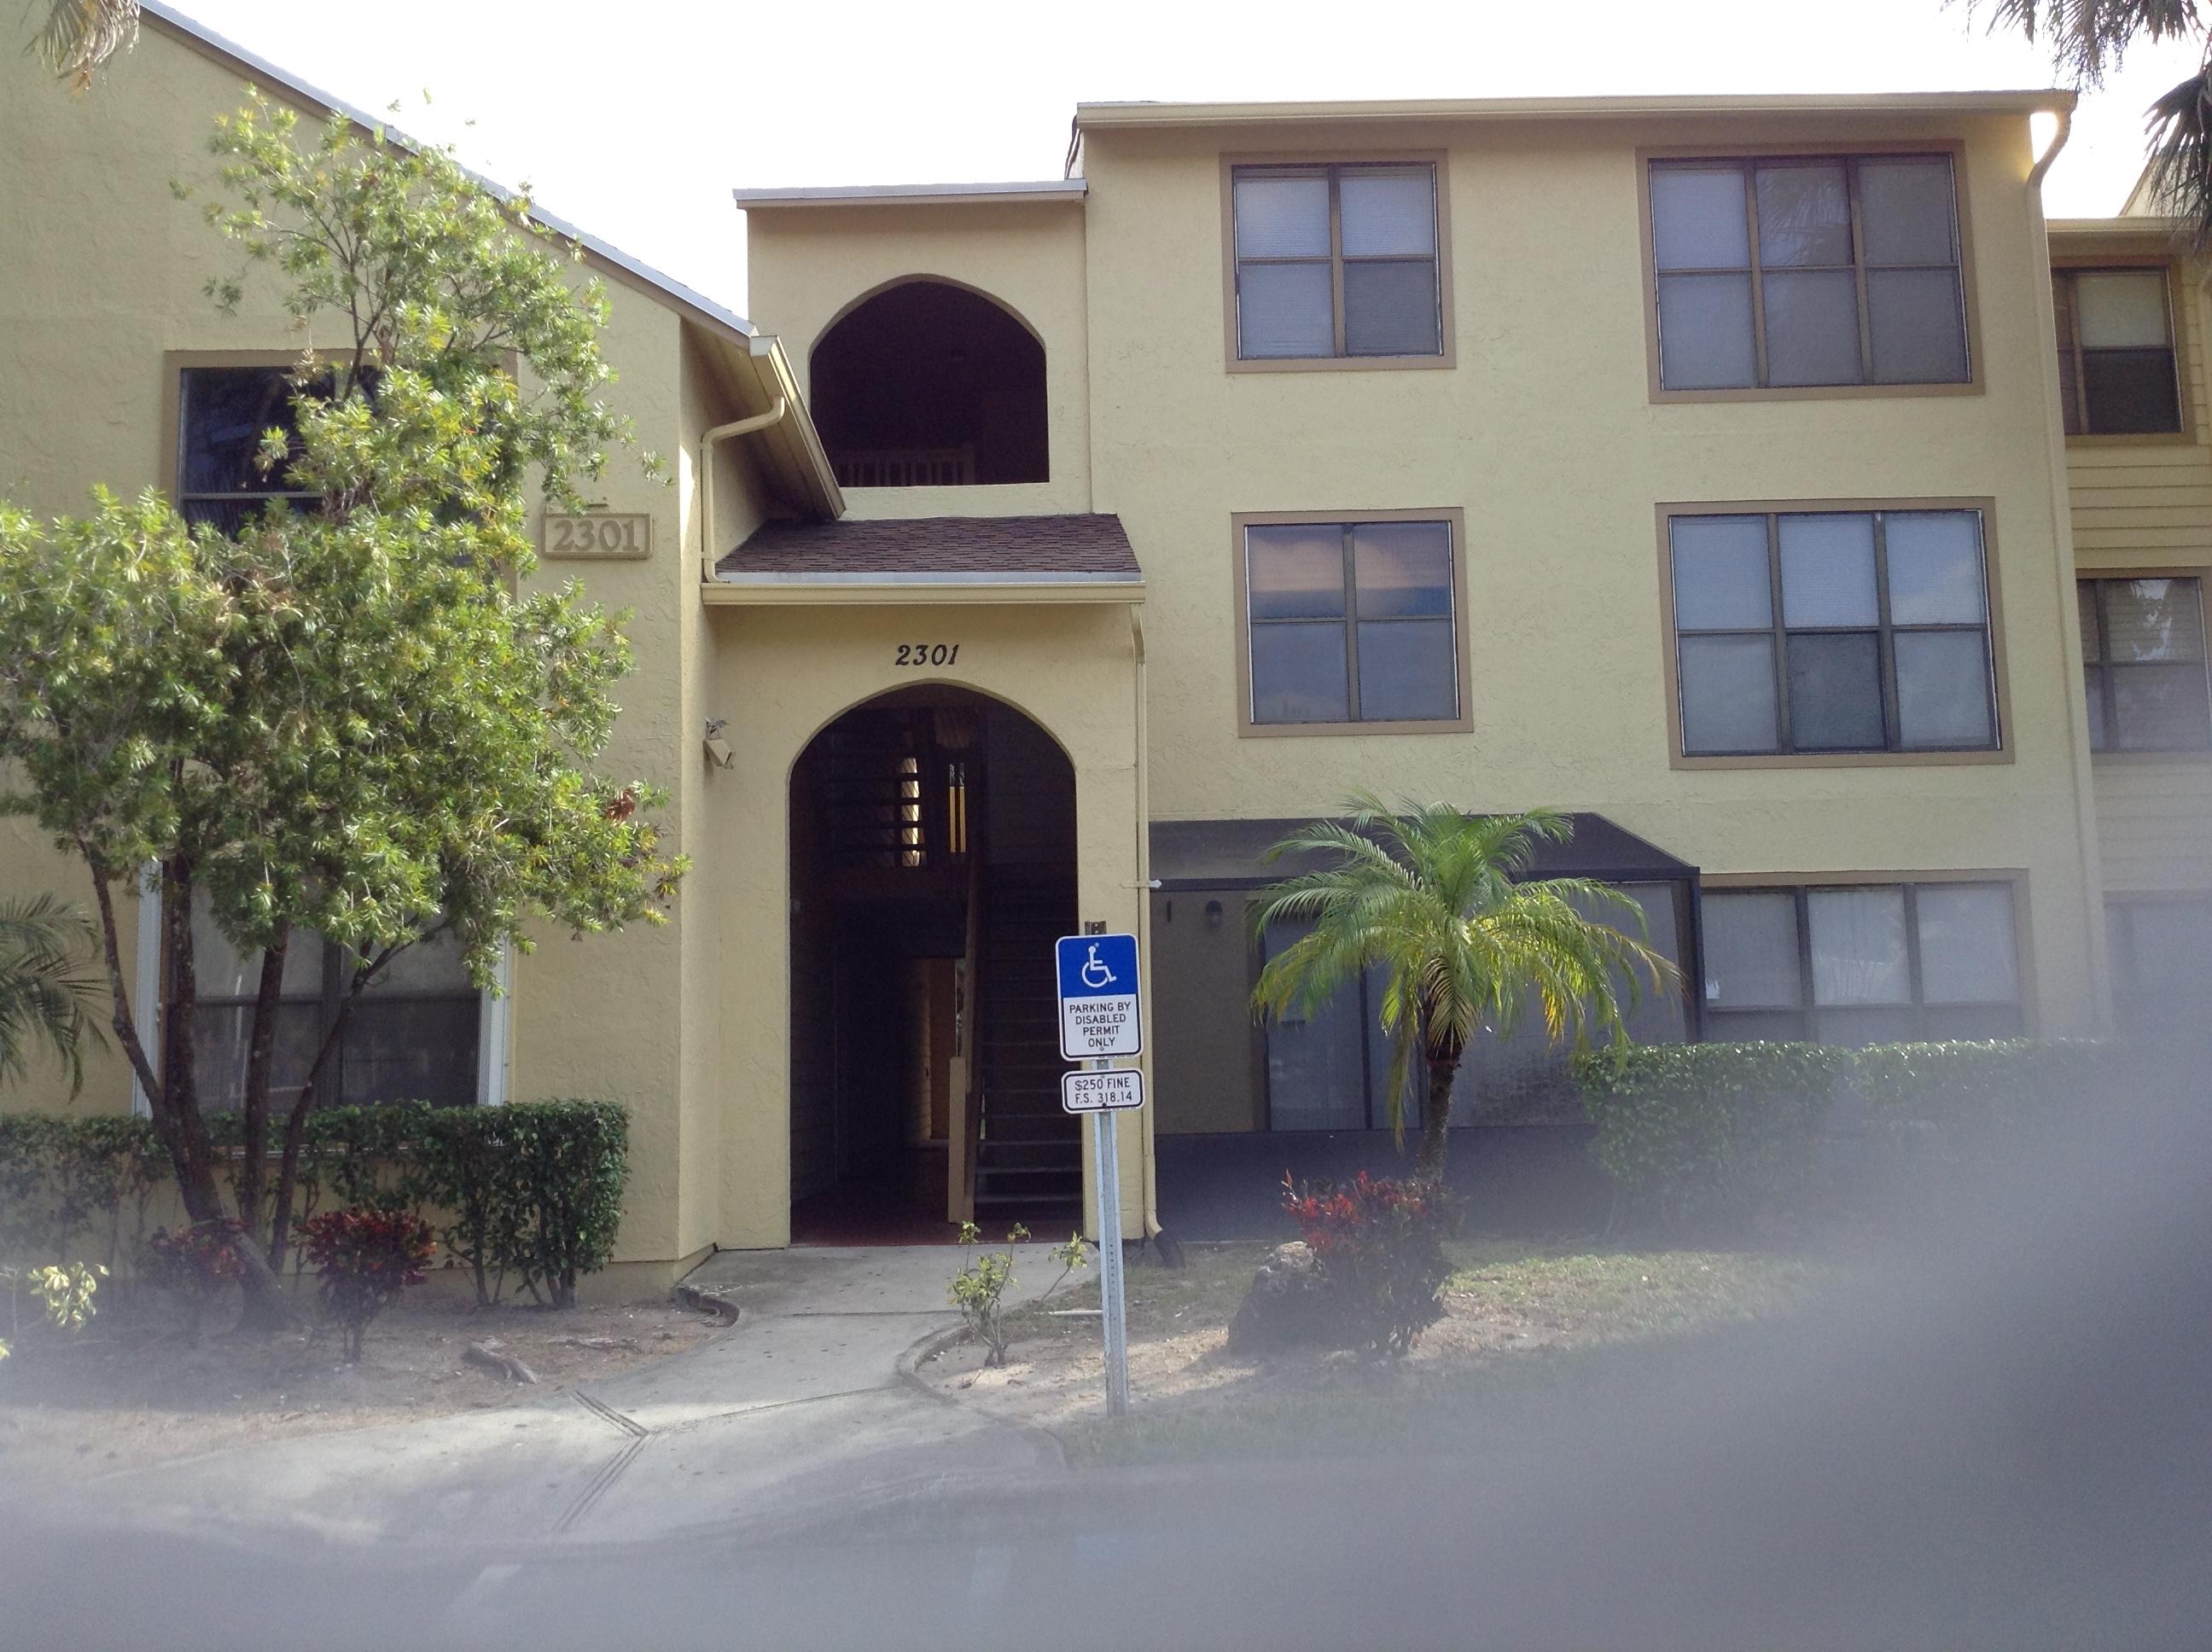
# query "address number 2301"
(927, 653)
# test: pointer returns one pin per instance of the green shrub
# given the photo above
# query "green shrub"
(1709, 1133)
(1695, 1133)
(530, 1194)
(60, 1178)
(568, 1162)
(1960, 1088)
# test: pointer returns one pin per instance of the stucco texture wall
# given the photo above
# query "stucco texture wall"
(807, 266)
(1545, 433)
(789, 670)
(100, 274)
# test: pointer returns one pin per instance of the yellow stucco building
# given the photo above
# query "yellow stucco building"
(1704, 466)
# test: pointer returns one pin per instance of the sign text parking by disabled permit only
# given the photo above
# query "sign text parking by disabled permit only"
(1098, 1009)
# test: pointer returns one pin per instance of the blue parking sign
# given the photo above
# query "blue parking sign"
(1099, 1014)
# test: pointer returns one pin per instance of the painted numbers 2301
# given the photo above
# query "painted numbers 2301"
(927, 653)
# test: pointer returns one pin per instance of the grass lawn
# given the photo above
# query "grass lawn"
(1526, 1323)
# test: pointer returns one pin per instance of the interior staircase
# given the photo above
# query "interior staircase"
(1029, 1154)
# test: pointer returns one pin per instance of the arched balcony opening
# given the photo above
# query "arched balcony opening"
(928, 384)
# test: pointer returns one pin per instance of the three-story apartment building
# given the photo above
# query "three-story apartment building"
(1702, 466)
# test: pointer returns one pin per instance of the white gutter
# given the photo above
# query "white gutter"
(719, 434)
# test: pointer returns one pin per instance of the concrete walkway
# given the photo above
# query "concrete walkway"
(798, 1412)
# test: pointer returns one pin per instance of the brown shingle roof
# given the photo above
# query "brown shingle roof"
(998, 547)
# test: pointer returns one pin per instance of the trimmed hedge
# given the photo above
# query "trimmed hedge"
(1709, 1133)
(61, 1178)
(529, 1194)
(1728, 1132)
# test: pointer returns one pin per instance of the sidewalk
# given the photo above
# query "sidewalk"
(797, 1412)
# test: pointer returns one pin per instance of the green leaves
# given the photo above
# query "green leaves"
(341, 717)
(1428, 896)
(1725, 1132)
(46, 990)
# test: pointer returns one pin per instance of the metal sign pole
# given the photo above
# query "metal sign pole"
(1110, 1301)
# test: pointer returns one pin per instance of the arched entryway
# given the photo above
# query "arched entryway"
(929, 384)
(933, 863)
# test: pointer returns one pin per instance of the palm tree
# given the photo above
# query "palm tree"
(1431, 897)
(80, 35)
(2088, 37)
(42, 994)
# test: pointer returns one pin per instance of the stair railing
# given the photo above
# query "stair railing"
(967, 1116)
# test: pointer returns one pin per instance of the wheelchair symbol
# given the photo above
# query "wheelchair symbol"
(1094, 973)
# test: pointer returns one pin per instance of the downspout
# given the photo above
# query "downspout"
(723, 432)
(2077, 728)
(1149, 1177)
(2059, 137)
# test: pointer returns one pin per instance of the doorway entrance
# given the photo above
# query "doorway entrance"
(932, 864)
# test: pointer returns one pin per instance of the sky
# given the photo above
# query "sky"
(634, 118)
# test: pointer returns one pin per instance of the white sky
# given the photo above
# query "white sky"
(633, 119)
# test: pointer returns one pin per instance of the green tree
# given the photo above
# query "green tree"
(342, 720)
(44, 992)
(1432, 898)
(2088, 37)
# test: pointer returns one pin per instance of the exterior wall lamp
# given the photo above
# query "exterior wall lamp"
(718, 749)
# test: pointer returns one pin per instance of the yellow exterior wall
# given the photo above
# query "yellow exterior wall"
(100, 273)
(790, 670)
(1544, 432)
(808, 267)
(2142, 505)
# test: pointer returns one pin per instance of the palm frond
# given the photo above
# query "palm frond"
(80, 35)
(2179, 126)
(1434, 902)
(44, 994)
(2088, 38)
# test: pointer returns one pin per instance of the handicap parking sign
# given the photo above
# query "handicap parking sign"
(1098, 1014)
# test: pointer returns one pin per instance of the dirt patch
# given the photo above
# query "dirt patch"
(131, 1389)
(1507, 1306)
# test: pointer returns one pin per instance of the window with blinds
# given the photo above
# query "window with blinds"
(2143, 664)
(1351, 622)
(1831, 631)
(1336, 261)
(1872, 964)
(1805, 272)
(2117, 372)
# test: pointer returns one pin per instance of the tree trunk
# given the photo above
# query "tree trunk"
(254, 1108)
(175, 1102)
(295, 1125)
(1436, 1116)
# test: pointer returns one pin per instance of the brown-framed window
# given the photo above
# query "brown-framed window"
(222, 415)
(413, 1035)
(1861, 964)
(1352, 621)
(1831, 631)
(2117, 372)
(1336, 261)
(1808, 271)
(2144, 664)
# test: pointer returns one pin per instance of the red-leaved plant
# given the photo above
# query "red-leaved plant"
(194, 1263)
(364, 1258)
(1379, 1247)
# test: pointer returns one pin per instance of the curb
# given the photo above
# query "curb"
(910, 1374)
